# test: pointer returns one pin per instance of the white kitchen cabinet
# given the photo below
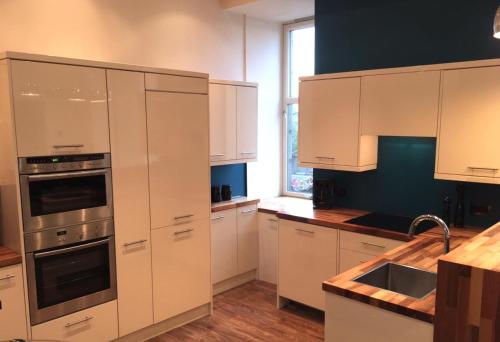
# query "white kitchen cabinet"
(222, 122)
(98, 323)
(307, 256)
(12, 308)
(268, 247)
(356, 249)
(181, 268)
(468, 137)
(329, 126)
(348, 320)
(248, 238)
(224, 245)
(403, 104)
(233, 122)
(59, 109)
(246, 122)
(128, 135)
(349, 259)
(178, 157)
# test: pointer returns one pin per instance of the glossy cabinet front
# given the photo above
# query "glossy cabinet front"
(59, 109)
(128, 135)
(181, 268)
(268, 247)
(246, 122)
(307, 256)
(222, 122)
(224, 245)
(12, 308)
(468, 137)
(248, 239)
(98, 323)
(178, 157)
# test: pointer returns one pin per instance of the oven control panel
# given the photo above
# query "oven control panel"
(48, 164)
(57, 237)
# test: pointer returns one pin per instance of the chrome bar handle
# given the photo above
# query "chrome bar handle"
(217, 155)
(372, 244)
(248, 211)
(305, 231)
(273, 220)
(69, 146)
(7, 277)
(247, 152)
(183, 217)
(483, 168)
(183, 231)
(322, 157)
(84, 320)
(217, 218)
(128, 244)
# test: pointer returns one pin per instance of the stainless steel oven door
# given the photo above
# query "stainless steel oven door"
(66, 198)
(69, 279)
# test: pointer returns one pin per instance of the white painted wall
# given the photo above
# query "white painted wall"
(195, 35)
(263, 57)
(192, 35)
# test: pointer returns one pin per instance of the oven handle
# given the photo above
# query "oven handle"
(68, 175)
(71, 249)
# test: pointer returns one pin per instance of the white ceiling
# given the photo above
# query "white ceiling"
(275, 10)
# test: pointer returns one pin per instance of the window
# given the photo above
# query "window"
(299, 61)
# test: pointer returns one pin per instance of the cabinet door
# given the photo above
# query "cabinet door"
(178, 157)
(59, 109)
(224, 245)
(248, 239)
(400, 104)
(247, 120)
(329, 121)
(181, 268)
(222, 122)
(468, 136)
(12, 308)
(268, 247)
(98, 323)
(350, 259)
(129, 151)
(307, 256)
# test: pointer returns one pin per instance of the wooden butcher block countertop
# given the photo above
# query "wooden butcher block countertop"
(234, 203)
(8, 257)
(423, 252)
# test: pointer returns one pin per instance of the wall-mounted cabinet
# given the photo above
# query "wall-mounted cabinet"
(402, 104)
(233, 122)
(329, 126)
(59, 109)
(468, 140)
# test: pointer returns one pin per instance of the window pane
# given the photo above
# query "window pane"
(301, 57)
(299, 179)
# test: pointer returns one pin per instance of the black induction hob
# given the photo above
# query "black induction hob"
(400, 224)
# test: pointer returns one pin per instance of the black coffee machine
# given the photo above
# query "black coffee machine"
(323, 193)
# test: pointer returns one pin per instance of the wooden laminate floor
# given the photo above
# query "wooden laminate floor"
(248, 313)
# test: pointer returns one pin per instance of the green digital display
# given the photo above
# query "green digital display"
(55, 160)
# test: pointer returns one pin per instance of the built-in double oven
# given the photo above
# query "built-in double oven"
(67, 208)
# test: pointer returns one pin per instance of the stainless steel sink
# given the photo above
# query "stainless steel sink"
(402, 279)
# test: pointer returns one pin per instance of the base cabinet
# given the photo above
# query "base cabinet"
(235, 245)
(181, 268)
(99, 323)
(347, 320)
(12, 303)
(268, 247)
(248, 239)
(224, 245)
(307, 257)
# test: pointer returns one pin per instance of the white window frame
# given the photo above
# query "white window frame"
(287, 28)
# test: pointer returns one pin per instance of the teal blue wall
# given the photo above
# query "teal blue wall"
(366, 34)
(235, 175)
